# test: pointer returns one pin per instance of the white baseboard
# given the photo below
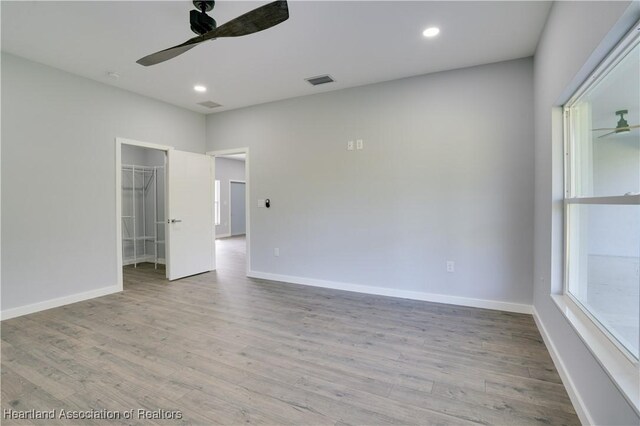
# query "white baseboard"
(576, 400)
(223, 235)
(391, 292)
(59, 301)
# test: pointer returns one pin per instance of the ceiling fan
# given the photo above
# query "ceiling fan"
(621, 127)
(258, 19)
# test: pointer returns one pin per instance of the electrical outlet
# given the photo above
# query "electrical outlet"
(451, 266)
(276, 252)
(350, 146)
(359, 144)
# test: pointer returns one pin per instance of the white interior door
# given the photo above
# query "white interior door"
(190, 230)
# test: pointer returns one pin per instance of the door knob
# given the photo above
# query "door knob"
(175, 221)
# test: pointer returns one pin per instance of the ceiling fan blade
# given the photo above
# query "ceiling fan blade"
(603, 128)
(617, 130)
(251, 22)
(606, 134)
(172, 52)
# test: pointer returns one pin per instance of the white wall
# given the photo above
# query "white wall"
(226, 170)
(576, 37)
(58, 176)
(446, 173)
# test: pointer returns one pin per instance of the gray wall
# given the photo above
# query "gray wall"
(446, 173)
(139, 156)
(226, 169)
(575, 38)
(58, 176)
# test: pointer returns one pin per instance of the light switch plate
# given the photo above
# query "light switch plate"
(350, 146)
(260, 203)
(359, 144)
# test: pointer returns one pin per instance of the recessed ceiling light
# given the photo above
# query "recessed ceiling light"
(431, 32)
(199, 88)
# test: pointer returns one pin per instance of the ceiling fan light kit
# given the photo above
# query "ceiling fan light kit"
(258, 19)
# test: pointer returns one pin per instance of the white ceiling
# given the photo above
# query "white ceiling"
(357, 43)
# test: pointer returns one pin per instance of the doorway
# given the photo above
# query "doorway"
(164, 209)
(141, 204)
(232, 203)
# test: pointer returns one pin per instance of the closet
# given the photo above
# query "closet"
(143, 220)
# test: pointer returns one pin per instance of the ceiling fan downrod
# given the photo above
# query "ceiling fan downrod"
(204, 6)
(202, 23)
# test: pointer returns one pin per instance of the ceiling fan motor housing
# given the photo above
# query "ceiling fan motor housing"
(201, 23)
(622, 126)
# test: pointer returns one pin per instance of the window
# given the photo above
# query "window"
(216, 203)
(602, 197)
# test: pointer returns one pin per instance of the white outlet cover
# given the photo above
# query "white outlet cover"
(350, 146)
(451, 266)
(359, 144)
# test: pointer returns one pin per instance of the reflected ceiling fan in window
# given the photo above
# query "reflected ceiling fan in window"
(258, 19)
(621, 127)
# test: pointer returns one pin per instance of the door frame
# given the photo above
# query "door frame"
(247, 195)
(245, 202)
(118, 145)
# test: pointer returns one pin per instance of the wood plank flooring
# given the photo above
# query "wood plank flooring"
(225, 349)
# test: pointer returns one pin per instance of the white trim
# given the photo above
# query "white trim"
(223, 235)
(631, 200)
(623, 371)
(118, 145)
(57, 302)
(247, 176)
(572, 390)
(144, 144)
(624, 46)
(216, 197)
(231, 151)
(616, 360)
(612, 337)
(392, 292)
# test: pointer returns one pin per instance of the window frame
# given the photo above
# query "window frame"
(628, 43)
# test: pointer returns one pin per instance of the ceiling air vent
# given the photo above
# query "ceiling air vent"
(321, 79)
(209, 104)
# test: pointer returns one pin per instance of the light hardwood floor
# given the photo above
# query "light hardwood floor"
(225, 349)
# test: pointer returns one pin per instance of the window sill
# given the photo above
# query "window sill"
(623, 372)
